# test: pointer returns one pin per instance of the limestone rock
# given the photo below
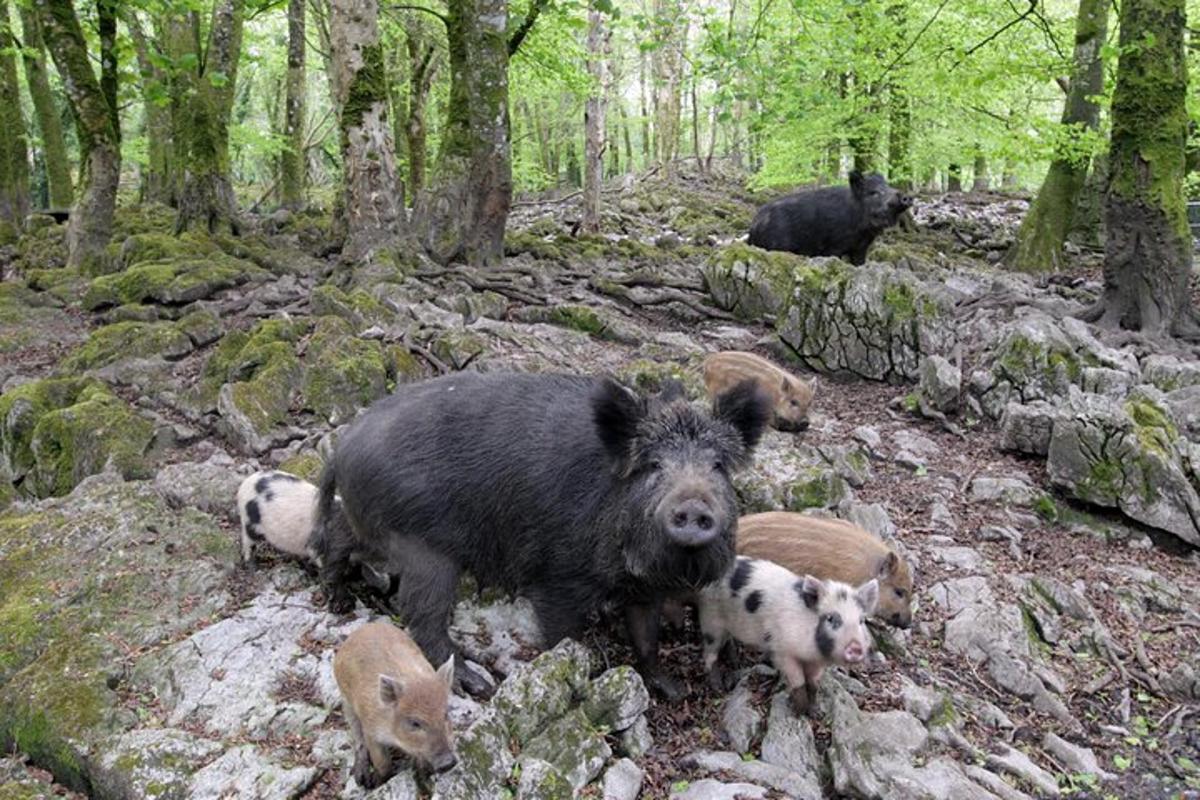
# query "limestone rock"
(572, 746)
(246, 771)
(542, 781)
(622, 781)
(789, 741)
(151, 762)
(1129, 456)
(1026, 428)
(741, 722)
(709, 789)
(761, 773)
(1016, 763)
(616, 699)
(940, 383)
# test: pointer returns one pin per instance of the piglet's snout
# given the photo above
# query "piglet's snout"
(855, 652)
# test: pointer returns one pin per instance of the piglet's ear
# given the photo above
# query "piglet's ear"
(446, 672)
(747, 408)
(809, 590)
(868, 596)
(390, 690)
(888, 565)
(616, 412)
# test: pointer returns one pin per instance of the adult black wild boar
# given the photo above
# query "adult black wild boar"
(832, 221)
(566, 489)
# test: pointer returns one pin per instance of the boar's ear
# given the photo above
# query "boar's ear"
(671, 391)
(888, 565)
(787, 385)
(446, 673)
(809, 590)
(747, 408)
(856, 183)
(868, 596)
(390, 690)
(616, 412)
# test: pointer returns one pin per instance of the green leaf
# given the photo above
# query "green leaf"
(1121, 762)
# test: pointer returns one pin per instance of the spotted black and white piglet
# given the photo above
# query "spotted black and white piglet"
(278, 508)
(804, 624)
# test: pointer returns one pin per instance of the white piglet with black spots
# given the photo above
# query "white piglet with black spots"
(804, 624)
(278, 508)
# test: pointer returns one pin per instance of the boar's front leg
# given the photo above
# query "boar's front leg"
(642, 620)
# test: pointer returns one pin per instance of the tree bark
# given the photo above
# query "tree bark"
(1039, 242)
(292, 161)
(91, 222)
(954, 178)
(665, 64)
(54, 146)
(595, 126)
(106, 24)
(1148, 255)
(980, 183)
(14, 157)
(373, 211)
(207, 201)
(422, 55)
(159, 180)
(464, 213)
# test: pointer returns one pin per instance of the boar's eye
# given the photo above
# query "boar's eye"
(719, 465)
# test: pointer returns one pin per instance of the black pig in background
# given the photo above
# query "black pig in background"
(568, 490)
(832, 221)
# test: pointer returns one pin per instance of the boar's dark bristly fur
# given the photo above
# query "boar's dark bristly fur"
(569, 490)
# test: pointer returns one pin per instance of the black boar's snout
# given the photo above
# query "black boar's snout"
(906, 202)
(788, 426)
(692, 523)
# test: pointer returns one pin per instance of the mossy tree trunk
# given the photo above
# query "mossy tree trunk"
(91, 222)
(106, 25)
(54, 146)
(1148, 254)
(207, 201)
(158, 184)
(291, 160)
(1039, 242)
(422, 60)
(464, 212)
(954, 178)
(595, 127)
(373, 205)
(14, 158)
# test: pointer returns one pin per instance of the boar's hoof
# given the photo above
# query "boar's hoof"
(664, 686)
(718, 681)
(340, 601)
(471, 682)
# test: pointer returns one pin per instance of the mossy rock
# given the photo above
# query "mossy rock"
(28, 317)
(651, 376)
(343, 373)
(306, 465)
(68, 444)
(458, 348)
(751, 282)
(358, 308)
(132, 312)
(44, 248)
(239, 355)
(143, 248)
(820, 488)
(131, 220)
(64, 618)
(202, 327)
(22, 408)
(170, 282)
(272, 256)
(520, 242)
(129, 340)
(402, 366)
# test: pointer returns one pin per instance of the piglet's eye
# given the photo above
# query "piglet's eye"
(899, 593)
(414, 724)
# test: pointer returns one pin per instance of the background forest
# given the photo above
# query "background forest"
(935, 95)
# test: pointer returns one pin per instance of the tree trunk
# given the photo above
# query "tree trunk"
(647, 145)
(158, 184)
(291, 160)
(1148, 255)
(14, 157)
(106, 24)
(954, 174)
(464, 213)
(899, 139)
(91, 221)
(595, 130)
(54, 146)
(665, 65)
(422, 69)
(1087, 223)
(207, 201)
(980, 183)
(1039, 242)
(373, 212)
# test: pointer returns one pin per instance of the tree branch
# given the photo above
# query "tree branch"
(426, 9)
(535, 10)
(1029, 11)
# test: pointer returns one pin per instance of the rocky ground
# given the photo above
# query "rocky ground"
(1040, 478)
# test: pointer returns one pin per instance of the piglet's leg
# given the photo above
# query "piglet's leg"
(381, 761)
(362, 758)
(642, 621)
(798, 690)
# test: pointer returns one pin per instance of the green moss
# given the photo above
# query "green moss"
(306, 465)
(368, 88)
(650, 376)
(131, 220)
(402, 366)
(1046, 508)
(1154, 429)
(202, 327)
(943, 714)
(129, 340)
(358, 308)
(817, 489)
(23, 407)
(344, 373)
(68, 444)
(150, 247)
(458, 348)
(579, 318)
(523, 242)
(1103, 482)
(170, 282)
